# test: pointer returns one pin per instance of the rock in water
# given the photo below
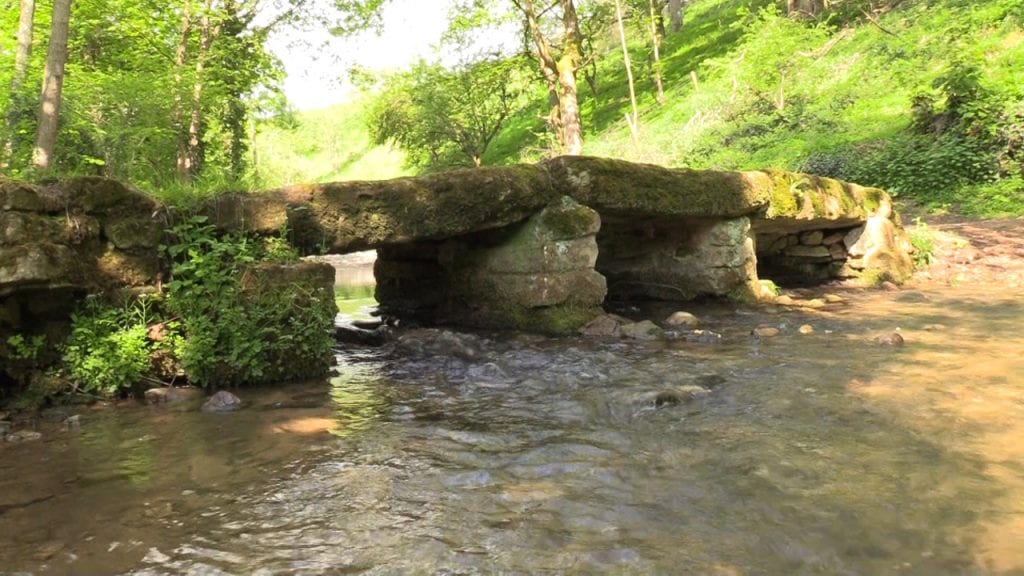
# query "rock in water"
(894, 339)
(765, 331)
(222, 401)
(682, 319)
(604, 326)
(645, 330)
(24, 436)
(171, 395)
(806, 329)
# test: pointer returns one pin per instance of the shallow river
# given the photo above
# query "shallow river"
(824, 453)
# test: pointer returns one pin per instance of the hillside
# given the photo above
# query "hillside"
(922, 97)
(322, 146)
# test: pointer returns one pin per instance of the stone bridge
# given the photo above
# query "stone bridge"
(533, 247)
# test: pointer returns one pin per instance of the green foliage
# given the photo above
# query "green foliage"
(923, 239)
(448, 117)
(108, 351)
(237, 334)
(26, 348)
(217, 324)
(324, 145)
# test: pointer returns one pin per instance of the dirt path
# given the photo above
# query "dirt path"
(975, 252)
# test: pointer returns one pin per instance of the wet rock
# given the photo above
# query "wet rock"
(765, 331)
(368, 324)
(24, 436)
(889, 286)
(222, 401)
(895, 339)
(73, 422)
(464, 346)
(356, 335)
(710, 381)
(171, 395)
(806, 329)
(682, 319)
(680, 395)
(785, 300)
(604, 326)
(645, 330)
(833, 299)
(53, 415)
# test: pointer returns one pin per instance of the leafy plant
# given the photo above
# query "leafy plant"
(23, 348)
(237, 330)
(108, 351)
(923, 239)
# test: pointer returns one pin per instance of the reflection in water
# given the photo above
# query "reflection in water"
(356, 401)
(811, 454)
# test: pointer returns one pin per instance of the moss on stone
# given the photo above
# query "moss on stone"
(558, 320)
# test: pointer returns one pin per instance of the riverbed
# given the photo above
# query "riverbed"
(449, 453)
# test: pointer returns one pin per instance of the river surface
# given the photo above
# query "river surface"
(441, 453)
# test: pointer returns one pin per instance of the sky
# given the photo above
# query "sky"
(316, 62)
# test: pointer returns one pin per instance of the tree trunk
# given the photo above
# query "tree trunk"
(195, 124)
(548, 67)
(568, 103)
(183, 164)
(231, 29)
(26, 18)
(675, 14)
(656, 45)
(53, 85)
(805, 8)
(631, 120)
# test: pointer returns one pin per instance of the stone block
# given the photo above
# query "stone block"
(128, 234)
(814, 253)
(812, 238)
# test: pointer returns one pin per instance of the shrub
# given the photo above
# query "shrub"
(239, 336)
(107, 351)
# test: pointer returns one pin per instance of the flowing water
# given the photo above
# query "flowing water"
(442, 453)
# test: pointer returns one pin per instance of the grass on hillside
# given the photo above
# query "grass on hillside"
(326, 145)
(748, 88)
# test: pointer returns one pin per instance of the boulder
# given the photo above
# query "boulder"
(222, 401)
(681, 318)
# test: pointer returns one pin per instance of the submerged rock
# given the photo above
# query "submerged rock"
(604, 326)
(697, 336)
(24, 436)
(171, 395)
(894, 339)
(806, 329)
(680, 395)
(645, 330)
(222, 401)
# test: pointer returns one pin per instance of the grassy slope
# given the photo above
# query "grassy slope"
(848, 90)
(845, 88)
(325, 145)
